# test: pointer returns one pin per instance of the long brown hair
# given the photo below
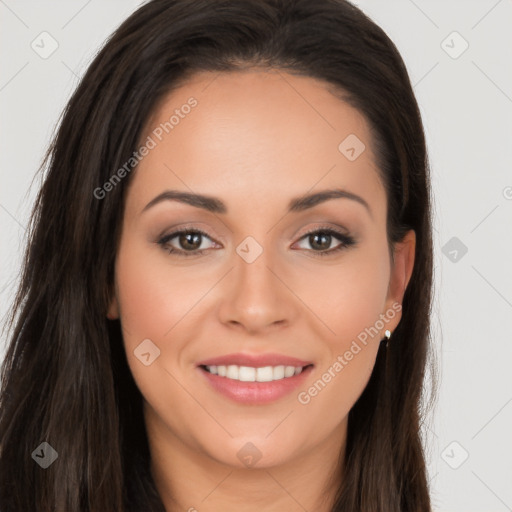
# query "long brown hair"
(65, 378)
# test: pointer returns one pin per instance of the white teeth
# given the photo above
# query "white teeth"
(289, 371)
(246, 374)
(250, 374)
(232, 372)
(278, 372)
(265, 374)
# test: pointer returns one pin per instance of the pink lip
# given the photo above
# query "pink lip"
(255, 361)
(255, 393)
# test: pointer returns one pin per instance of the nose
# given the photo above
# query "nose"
(256, 297)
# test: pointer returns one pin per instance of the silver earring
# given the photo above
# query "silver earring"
(387, 334)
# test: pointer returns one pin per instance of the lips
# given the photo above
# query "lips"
(254, 360)
(237, 387)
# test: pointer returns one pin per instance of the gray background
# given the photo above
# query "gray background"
(466, 103)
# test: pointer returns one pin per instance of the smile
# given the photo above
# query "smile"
(251, 385)
(252, 374)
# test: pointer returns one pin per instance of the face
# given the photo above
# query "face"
(252, 318)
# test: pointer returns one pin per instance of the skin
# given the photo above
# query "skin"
(255, 140)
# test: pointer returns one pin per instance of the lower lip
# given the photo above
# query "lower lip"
(256, 393)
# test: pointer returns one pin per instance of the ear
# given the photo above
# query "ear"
(113, 309)
(401, 271)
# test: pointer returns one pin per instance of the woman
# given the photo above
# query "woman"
(225, 297)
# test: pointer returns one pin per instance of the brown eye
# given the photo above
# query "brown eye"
(321, 240)
(188, 242)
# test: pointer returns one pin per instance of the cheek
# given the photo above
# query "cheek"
(349, 296)
(350, 299)
(156, 302)
(352, 310)
(153, 295)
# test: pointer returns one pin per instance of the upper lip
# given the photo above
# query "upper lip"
(254, 360)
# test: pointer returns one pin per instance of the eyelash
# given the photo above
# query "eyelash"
(346, 241)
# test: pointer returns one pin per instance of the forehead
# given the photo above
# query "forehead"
(267, 132)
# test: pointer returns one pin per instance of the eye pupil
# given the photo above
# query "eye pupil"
(314, 238)
(187, 244)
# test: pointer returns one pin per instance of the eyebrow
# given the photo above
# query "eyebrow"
(215, 205)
